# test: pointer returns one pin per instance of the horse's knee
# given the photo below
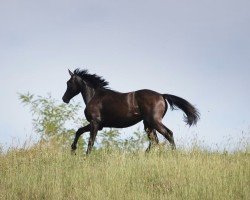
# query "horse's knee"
(79, 131)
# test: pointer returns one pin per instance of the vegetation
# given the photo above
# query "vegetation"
(48, 171)
(117, 169)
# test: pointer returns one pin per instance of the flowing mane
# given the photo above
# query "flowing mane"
(95, 80)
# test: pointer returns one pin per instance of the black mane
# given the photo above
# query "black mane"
(95, 80)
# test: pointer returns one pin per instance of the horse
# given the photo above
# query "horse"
(109, 108)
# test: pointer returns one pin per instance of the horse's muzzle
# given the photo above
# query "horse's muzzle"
(65, 100)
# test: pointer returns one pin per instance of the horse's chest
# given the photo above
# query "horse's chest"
(92, 112)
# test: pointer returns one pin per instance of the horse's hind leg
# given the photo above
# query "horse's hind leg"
(153, 139)
(152, 136)
(168, 134)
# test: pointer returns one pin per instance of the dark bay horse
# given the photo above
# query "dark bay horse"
(108, 108)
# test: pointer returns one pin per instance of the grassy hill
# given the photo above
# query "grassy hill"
(47, 171)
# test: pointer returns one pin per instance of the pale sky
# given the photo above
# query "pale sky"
(195, 49)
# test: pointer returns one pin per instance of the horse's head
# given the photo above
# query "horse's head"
(73, 87)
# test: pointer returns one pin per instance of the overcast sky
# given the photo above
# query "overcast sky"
(195, 49)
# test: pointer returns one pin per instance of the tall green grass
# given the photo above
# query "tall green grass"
(51, 172)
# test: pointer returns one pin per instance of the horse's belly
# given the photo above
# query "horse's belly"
(121, 122)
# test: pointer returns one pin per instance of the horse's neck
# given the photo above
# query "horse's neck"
(87, 94)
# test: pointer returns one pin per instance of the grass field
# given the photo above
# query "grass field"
(50, 172)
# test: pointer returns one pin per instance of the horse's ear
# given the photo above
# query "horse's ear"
(70, 73)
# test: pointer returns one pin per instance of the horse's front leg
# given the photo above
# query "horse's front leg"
(79, 132)
(93, 132)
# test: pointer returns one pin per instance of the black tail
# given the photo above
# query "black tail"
(192, 114)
